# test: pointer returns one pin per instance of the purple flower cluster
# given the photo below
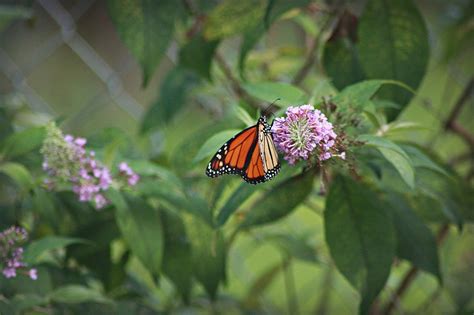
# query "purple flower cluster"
(132, 177)
(66, 159)
(88, 177)
(11, 253)
(303, 132)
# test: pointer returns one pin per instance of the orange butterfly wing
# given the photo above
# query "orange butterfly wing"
(254, 173)
(242, 155)
(231, 158)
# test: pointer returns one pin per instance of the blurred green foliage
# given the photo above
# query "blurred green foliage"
(335, 238)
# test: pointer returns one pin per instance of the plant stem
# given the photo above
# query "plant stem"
(452, 124)
(326, 284)
(466, 156)
(311, 57)
(411, 275)
(235, 84)
(465, 95)
(289, 279)
(462, 132)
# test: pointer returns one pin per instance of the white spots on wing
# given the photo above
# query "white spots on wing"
(226, 169)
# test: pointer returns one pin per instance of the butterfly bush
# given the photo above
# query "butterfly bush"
(303, 132)
(67, 160)
(11, 253)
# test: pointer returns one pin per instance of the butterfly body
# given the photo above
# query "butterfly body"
(251, 153)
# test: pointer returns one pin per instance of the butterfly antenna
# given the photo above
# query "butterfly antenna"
(269, 106)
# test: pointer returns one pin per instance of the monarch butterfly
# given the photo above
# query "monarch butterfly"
(251, 153)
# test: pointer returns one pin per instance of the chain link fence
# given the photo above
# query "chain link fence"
(67, 61)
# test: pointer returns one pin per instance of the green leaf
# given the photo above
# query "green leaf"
(440, 199)
(218, 188)
(360, 236)
(279, 201)
(174, 93)
(358, 95)
(23, 142)
(277, 8)
(293, 246)
(243, 115)
(73, 294)
(176, 199)
(394, 154)
(183, 156)
(398, 127)
(214, 143)
(274, 9)
(250, 39)
(340, 56)
(36, 248)
(100, 231)
(241, 193)
(19, 174)
(44, 207)
(177, 254)
(232, 17)
(6, 307)
(198, 207)
(393, 44)
(208, 254)
(451, 196)
(141, 228)
(427, 208)
(147, 168)
(146, 27)
(415, 242)
(263, 281)
(269, 91)
(162, 189)
(197, 55)
(420, 159)
(341, 61)
(24, 302)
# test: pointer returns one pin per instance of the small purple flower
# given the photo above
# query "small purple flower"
(80, 142)
(105, 179)
(93, 164)
(303, 132)
(325, 156)
(84, 174)
(11, 252)
(133, 179)
(97, 172)
(33, 274)
(67, 160)
(100, 201)
(9, 272)
(86, 192)
(124, 168)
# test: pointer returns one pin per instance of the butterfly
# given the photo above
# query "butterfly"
(251, 153)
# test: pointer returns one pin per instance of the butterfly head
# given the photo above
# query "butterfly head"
(266, 126)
